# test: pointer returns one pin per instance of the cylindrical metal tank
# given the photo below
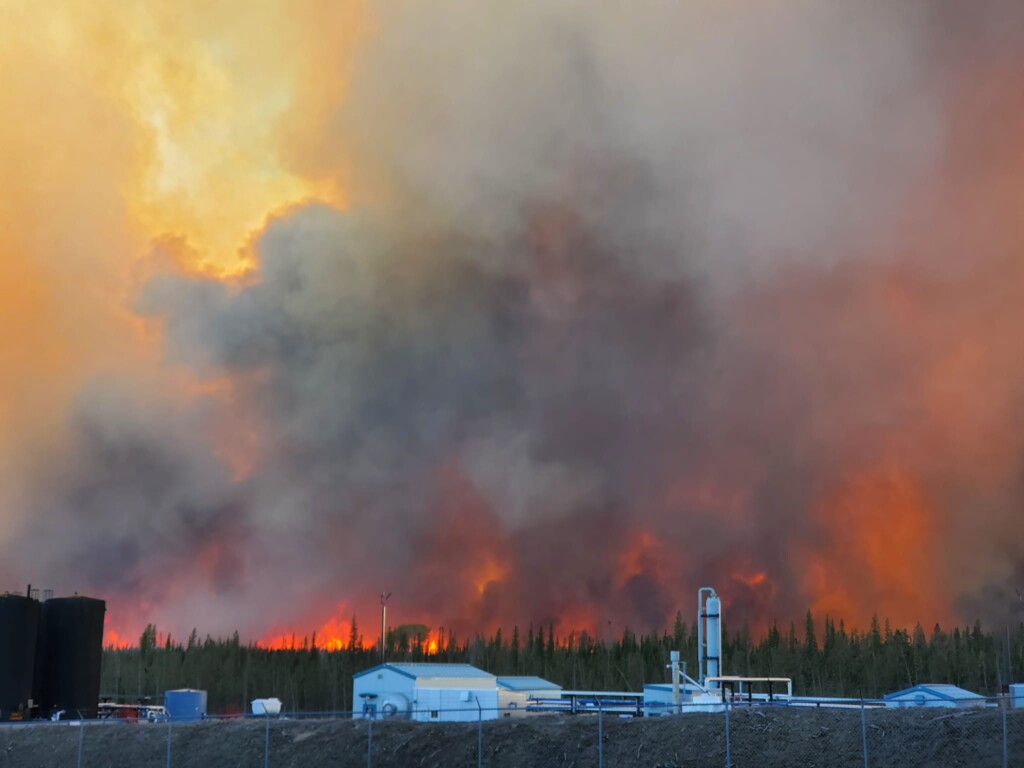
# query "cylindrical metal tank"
(185, 704)
(71, 648)
(713, 614)
(19, 627)
(395, 705)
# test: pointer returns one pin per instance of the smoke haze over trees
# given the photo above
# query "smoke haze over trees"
(614, 304)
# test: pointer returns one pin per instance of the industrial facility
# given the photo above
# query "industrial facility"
(458, 692)
(50, 654)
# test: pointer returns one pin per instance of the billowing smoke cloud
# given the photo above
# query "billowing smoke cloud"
(626, 302)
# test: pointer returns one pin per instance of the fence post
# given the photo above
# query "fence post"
(369, 742)
(168, 742)
(1006, 754)
(266, 739)
(600, 734)
(728, 741)
(479, 734)
(864, 732)
(81, 737)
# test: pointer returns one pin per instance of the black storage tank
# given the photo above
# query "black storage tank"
(19, 627)
(71, 649)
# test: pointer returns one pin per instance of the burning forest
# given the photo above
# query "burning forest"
(539, 314)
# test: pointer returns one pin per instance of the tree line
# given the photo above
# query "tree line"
(823, 660)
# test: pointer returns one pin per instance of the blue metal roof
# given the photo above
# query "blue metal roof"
(938, 691)
(427, 670)
(683, 687)
(527, 683)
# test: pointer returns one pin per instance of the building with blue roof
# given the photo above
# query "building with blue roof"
(934, 695)
(426, 692)
(515, 692)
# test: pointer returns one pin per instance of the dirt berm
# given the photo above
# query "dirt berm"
(763, 738)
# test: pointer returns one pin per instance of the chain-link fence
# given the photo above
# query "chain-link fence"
(734, 735)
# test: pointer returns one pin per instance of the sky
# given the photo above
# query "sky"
(525, 312)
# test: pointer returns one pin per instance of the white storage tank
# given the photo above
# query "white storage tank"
(270, 706)
(709, 636)
(185, 704)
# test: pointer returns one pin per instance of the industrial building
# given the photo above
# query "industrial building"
(425, 692)
(445, 692)
(515, 692)
(934, 695)
(50, 654)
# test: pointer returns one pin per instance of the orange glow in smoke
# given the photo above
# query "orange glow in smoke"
(643, 555)
(883, 553)
(489, 572)
(754, 580)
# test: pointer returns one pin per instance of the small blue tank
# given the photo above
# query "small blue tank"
(185, 704)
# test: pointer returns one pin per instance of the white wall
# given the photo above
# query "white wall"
(450, 704)
(514, 703)
(912, 700)
(381, 682)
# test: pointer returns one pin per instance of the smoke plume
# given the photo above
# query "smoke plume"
(617, 303)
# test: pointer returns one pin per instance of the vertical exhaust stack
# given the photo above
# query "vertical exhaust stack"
(709, 636)
(674, 657)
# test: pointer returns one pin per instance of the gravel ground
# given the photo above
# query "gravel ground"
(765, 738)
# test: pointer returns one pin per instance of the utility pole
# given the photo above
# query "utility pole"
(383, 620)
(1009, 667)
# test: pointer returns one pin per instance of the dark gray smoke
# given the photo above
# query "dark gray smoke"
(628, 301)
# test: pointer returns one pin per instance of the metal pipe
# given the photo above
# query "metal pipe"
(674, 656)
(689, 679)
(383, 620)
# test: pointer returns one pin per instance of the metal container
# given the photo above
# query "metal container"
(185, 704)
(70, 651)
(19, 628)
(1017, 695)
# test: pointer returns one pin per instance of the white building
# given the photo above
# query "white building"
(515, 692)
(1017, 695)
(426, 692)
(929, 695)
